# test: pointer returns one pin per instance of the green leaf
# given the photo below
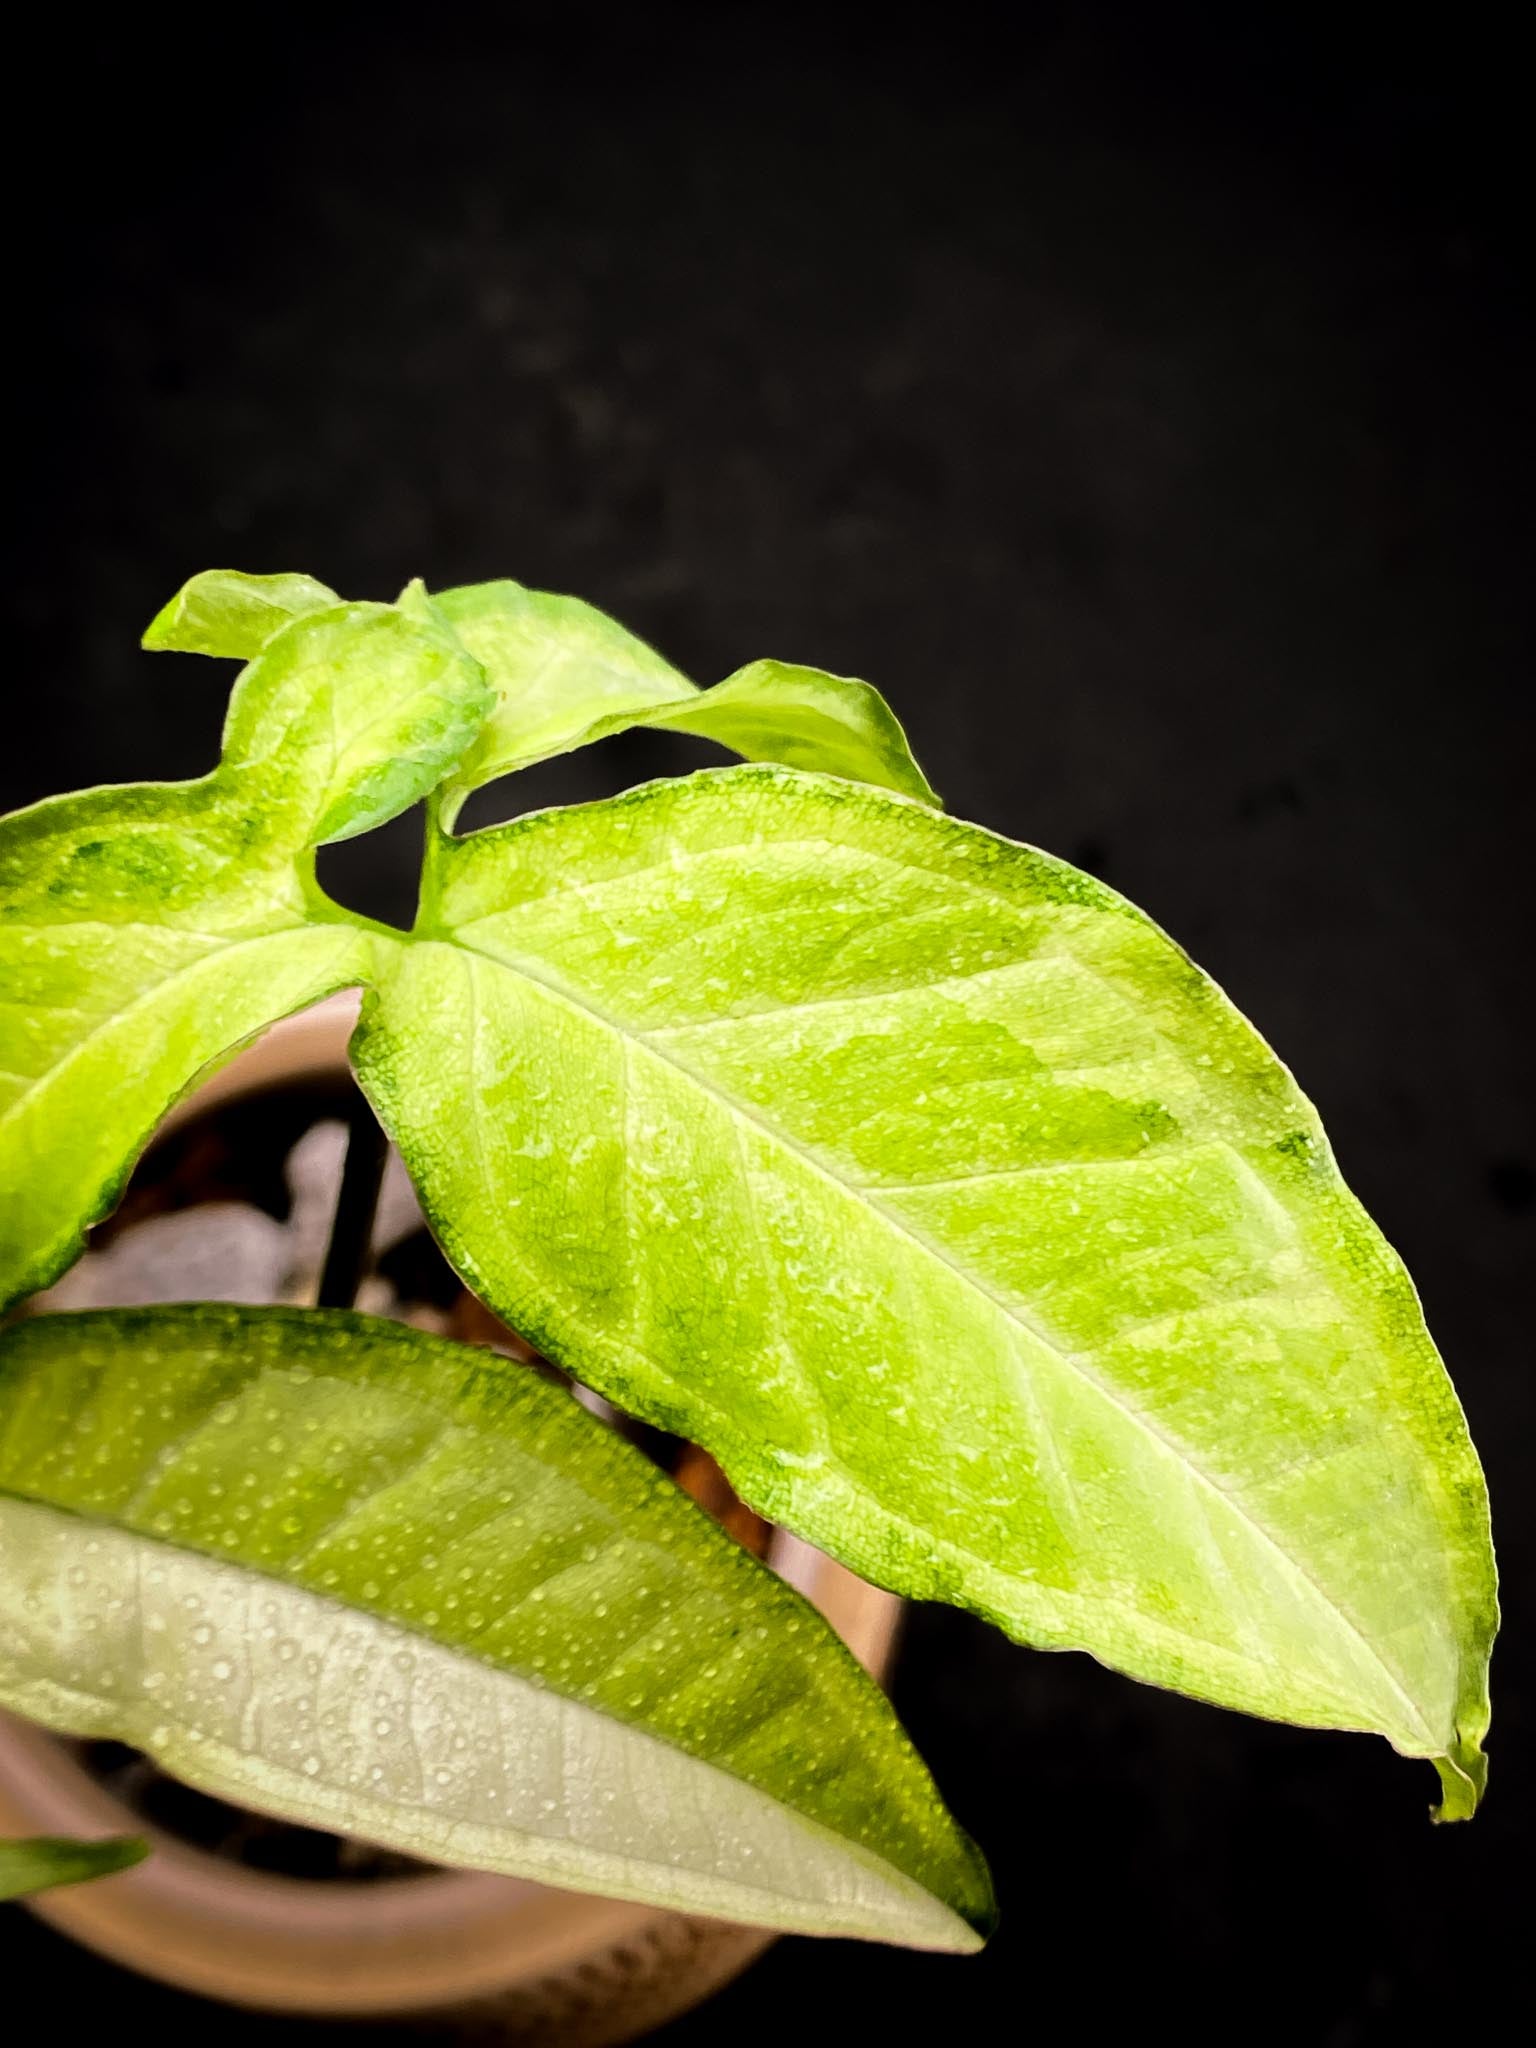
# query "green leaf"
(146, 931)
(929, 1185)
(382, 1584)
(802, 717)
(557, 664)
(363, 709)
(41, 1862)
(569, 675)
(225, 612)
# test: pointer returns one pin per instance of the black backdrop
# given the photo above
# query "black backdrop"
(1142, 404)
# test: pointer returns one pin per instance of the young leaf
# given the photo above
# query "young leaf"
(146, 931)
(557, 665)
(378, 1583)
(929, 1185)
(568, 675)
(363, 709)
(225, 612)
(41, 1862)
(802, 717)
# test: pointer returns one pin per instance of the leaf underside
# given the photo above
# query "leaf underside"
(383, 1584)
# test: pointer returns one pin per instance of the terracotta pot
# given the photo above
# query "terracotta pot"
(543, 1966)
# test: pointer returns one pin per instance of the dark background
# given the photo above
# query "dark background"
(1143, 403)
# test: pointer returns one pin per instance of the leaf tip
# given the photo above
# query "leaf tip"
(981, 1919)
(160, 636)
(1463, 1780)
(971, 1899)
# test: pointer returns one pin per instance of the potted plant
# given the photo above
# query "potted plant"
(914, 1175)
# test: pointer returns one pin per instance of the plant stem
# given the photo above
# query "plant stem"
(346, 1256)
(435, 839)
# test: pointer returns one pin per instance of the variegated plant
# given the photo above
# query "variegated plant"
(914, 1174)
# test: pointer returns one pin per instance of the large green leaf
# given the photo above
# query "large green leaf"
(40, 1862)
(567, 675)
(395, 1587)
(146, 931)
(927, 1183)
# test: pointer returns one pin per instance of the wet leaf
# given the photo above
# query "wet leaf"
(928, 1185)
(367, 1580)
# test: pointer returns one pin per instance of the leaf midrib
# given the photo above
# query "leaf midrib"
(1073, 1361)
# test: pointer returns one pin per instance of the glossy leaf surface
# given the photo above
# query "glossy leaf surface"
(930, 1186)
(390, 1586)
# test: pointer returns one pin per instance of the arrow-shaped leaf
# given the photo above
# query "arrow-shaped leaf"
(387, 1585)
(146, 931)
(930, 1186)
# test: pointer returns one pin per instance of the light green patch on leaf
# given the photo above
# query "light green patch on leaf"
(567, 675)
(145, 934)
(41, 1862)
(382, 1584)
(929, 1185)
(224, 612)
(557, 665)
(147, 931)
